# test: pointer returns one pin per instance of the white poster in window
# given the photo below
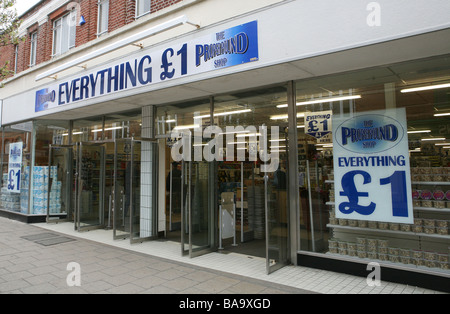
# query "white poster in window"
(14, 166)
(372, 168)
(319, 125)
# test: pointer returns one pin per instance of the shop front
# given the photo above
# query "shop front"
(392, 207)
(229, 184)
(237, 139)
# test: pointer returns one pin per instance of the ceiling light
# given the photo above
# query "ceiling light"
(234, 132)
(442, 114)
(221, 114)
(285, 116)
(107, 129)
(186, 127)
(418, 132)
(248, 135)
(277, 147)
(280, 140)
(434, 139)
(74, 133)
(323, 100)
(424, 88)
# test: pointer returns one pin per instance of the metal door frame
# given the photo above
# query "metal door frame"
(113, 203)
(101, 217)
(68, 187)
(284, 256)
(212, 225)
(154, 189)
(183, 221)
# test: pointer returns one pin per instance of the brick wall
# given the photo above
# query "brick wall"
(7, 56)
(88, 31)
(161, 4)
(121, 13)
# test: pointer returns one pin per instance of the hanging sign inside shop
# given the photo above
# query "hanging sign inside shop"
(371, 167)
(319, 125)
(14, 166)
(231, 47)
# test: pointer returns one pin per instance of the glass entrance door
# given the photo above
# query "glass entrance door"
(142, 191)
(276, 203)
(197, 213)
(134, 195)
(91, 184)
(121, 193)
(60, 183)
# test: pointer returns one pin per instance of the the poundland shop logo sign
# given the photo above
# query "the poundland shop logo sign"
(371, 165)
(231, 47)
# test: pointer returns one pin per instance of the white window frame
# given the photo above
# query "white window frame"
(140, 3)
(33, 48)
(68, 24)
(103, 5)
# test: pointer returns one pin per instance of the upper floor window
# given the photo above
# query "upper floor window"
(142, 7)
(33, 46)
(64, 30)
(103, 17)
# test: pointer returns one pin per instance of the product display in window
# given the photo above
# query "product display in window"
(17, 202)
(431, 223)
(24, 190)
(40, 190)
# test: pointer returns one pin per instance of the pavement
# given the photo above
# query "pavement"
(54, 259)
(38, 261)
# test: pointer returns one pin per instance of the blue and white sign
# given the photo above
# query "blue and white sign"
(14, 167)
(231, 47)
(371, 167)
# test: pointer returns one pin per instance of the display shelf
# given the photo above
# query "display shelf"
(390, 264)
(432, 209)
(418, 208)
(412, 239)
(413, 183)
(392, 232)
(430, 183)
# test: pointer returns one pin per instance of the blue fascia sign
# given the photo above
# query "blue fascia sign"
(231, 47)
(372, 167)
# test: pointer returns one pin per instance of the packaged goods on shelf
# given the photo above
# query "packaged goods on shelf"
(41, 196)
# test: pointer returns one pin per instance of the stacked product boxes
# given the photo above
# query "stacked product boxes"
(24, 190)
(40, 190)
(10, 201)
(55, 192)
